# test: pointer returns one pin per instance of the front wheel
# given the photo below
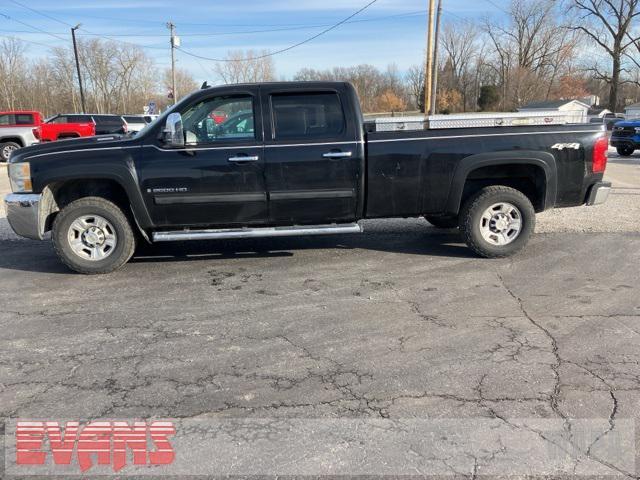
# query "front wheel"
(6, 149)
(625, 151)
(93, 235)
(497, 221)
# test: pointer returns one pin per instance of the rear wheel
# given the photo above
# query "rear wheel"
(625, 151)
(93, 235)
(6, 149)
(497, 221)
(443, 222)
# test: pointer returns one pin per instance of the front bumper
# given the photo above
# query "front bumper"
(24, 214)
(599, 193)
(625, 141)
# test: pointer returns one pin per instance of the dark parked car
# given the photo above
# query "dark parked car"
(296, 159)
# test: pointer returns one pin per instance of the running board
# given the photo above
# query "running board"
(181, 235)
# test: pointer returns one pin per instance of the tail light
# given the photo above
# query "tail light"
(36, 133)
(599, 163)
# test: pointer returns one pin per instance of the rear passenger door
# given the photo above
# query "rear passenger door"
(313, 158)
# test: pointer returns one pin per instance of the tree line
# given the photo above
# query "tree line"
(538, 50)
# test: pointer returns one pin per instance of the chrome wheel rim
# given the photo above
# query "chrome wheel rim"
(6, 151)
(501, 224)
(92, 237)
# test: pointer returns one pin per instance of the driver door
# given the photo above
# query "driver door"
(217, 179)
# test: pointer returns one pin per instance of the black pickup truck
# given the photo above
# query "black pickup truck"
(281, 159)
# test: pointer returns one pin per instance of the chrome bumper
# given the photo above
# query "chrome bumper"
(23, 213)
(599, 193)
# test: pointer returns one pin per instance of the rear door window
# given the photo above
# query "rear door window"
(307, 115)
(24, 119)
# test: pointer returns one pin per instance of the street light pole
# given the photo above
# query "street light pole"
(75, 51)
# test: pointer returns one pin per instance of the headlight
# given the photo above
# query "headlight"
(637, 129)
(20, 177)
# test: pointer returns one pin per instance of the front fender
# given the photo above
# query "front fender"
(544, 160)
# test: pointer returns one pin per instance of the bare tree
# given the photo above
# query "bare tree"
(609, 24)
(185, 83)
(532, 49)
(246, 66)
(415, 85)
(12, 70)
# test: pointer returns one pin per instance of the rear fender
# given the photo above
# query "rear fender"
(544, 160)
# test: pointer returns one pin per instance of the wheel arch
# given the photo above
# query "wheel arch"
(112, 186)
(506, 168)
(19, 140)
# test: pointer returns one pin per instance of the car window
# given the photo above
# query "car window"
(6, 119)
(202, 121)
(107, 119)
(77, 119)
(131, 119)
(59, 119)
(24, 119)
(307, 115)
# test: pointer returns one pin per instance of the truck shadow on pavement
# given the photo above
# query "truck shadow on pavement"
(32, 256)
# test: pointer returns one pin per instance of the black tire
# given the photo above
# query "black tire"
(87, 206)
(625, 151)
(6, 148)
(475, 207)
(443, 222)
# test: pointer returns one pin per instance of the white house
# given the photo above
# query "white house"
(632, 111)
(579, 110)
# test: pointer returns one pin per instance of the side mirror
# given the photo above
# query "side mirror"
(174, 131)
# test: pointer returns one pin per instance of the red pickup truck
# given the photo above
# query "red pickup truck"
(66, 126)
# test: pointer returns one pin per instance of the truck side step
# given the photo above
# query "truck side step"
(181, 235)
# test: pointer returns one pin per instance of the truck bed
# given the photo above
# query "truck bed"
(420, 171)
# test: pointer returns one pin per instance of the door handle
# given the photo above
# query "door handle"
(245, 158)
(335, 155)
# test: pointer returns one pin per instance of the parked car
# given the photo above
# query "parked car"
(625, 137)
(17, 131)
(109, 124)
(66, 126)
(303, 165)
(134, 123)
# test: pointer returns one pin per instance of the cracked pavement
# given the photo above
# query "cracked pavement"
(401, 324)
(398, 323)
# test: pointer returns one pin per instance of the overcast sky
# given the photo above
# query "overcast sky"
(390, 31)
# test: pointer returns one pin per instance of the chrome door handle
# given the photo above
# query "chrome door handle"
(335, 155)
(253, 158)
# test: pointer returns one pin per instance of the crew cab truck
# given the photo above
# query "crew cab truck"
(294, 159)
(64, 126)
(625, 137)
(17, 130)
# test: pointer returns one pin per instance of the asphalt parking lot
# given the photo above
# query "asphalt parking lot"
(402, 322)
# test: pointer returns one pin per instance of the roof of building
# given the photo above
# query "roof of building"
(550, 104)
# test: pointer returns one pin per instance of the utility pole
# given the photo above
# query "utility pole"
(428, 73)
(175, 42)
(75, 51)
(434, 81)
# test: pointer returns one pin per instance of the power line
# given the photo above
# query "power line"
(291, 47)
(41, 13)
(246, 32)
(26, 41)
(32, 27)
